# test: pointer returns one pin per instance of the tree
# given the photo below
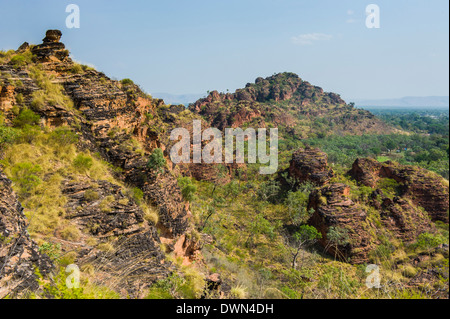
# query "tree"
(220, 172)
(210, 210)
(305, 236)
(268, 191)
(232, 189)
(157, 161)
(260, 226)
(187, 188)
(428, 241)
(337, 236)
(390, 144)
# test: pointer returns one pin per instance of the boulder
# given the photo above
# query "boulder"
(310, 164)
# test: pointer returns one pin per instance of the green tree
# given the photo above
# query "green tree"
(297, 207)
(157, 162)
(260, 226)
(304, 237)
(337, 236)
(268, 191)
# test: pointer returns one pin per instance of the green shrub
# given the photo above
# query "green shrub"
(18, 60)
(91, 195)
(58, 289)
(427, 241)
(26, 117)
(28, 134)
(268, 191)
(25, 174)
(137, 194)
(389, 186)
(19, 98)
(64, 136)
(187, 188)
(7, 135)
(126, 82)
(157, 161)
(76, 69)
(82, 162)
(51, 250)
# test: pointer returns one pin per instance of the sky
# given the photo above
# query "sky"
(195, 46)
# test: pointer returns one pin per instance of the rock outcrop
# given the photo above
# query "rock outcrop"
(333, 207)
(288, 101)
(310, 165)
(424, 188)
(126, 252)
(401, 217)
(51, 50)
(7, 99)
(124, 125)
(19, 254)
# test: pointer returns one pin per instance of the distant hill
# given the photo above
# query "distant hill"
(184, 99)
(284, 100)
(408, 101)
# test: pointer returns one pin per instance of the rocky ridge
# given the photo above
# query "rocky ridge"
(123, 124)
(19, 255)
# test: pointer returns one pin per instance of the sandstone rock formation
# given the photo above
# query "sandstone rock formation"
(51, 50)
(124, 125)
(310, 164)
(101, 210)
(424, 188)
(284, 99)
(19, 255)
(334, 208)
(401, 217)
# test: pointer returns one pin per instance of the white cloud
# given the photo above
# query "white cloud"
(310, 38)
(350, 21)
(350, 12)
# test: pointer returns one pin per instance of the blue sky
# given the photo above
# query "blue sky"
(180, 46)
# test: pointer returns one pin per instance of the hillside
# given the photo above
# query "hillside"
(298, 108)
(86, 180)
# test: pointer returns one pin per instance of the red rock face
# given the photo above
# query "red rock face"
(311, 165)
(422, 187)
(7, 99)
(334, 208)
(19, 255)
(109, 116)
(403, 219)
